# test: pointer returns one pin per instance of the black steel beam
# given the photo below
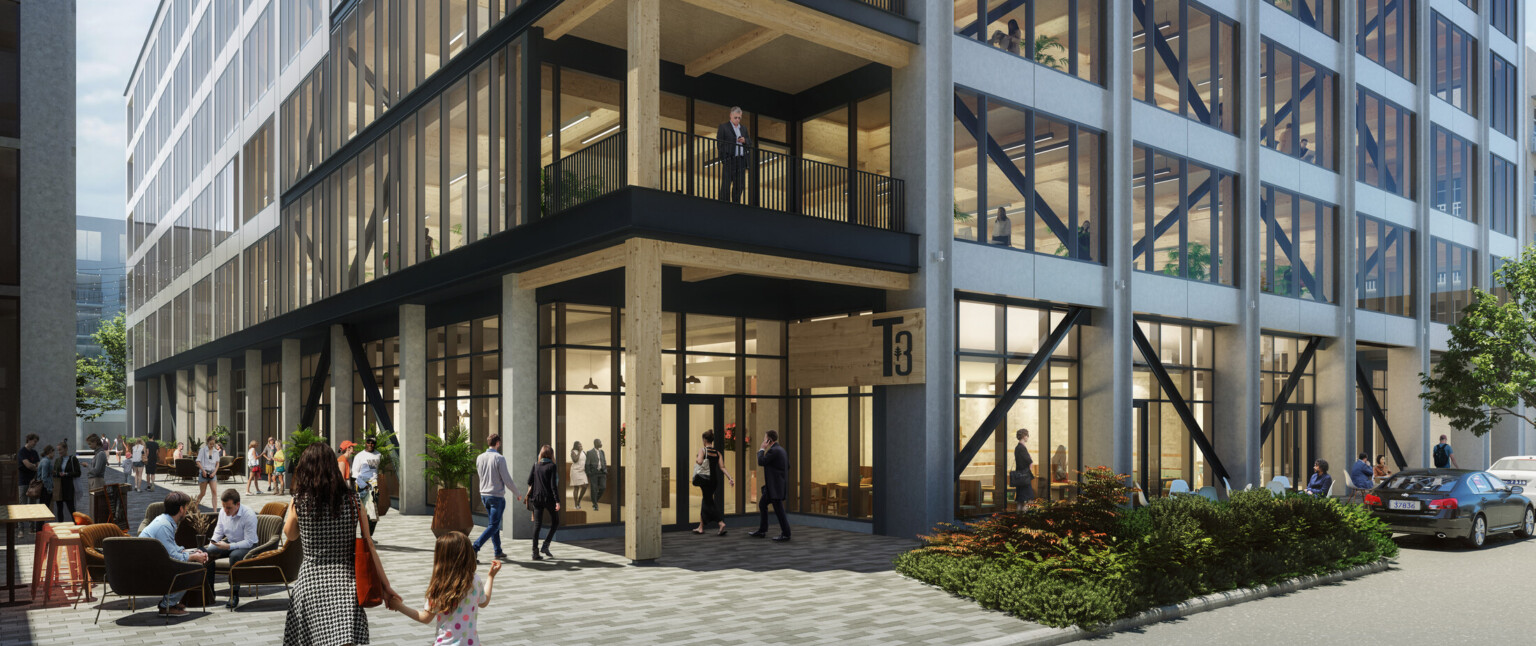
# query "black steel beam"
(316, 386)
(370, 387)
(1171, 391)
(1284, 397)
(1363, 384)
(999, 412)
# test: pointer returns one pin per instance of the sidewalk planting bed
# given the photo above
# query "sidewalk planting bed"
(1091, 560)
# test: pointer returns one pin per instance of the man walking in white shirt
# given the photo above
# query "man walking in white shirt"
(208, 457)
(233, 537)
(495, 479)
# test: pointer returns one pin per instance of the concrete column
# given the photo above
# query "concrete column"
(409, 429)
(1236, 417)
(138, 404)
(343, 427)
(226, 394)
(291, 365)
(1337, 441)
(914, 452)
(642, 410)
(183, 427)
(252, 397)
(1336, 393)
(643, 84)
(520, 387)
(1405, 411)
(199, 425)
(165, 421)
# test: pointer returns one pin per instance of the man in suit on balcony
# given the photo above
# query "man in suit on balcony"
(734, 144)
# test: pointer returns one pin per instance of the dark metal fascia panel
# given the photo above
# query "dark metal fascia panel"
(864, 15)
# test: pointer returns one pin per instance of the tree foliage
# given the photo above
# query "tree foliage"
(101, 382)
(1489, 368)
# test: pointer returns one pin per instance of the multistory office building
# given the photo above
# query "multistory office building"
(1207, 242)
(100, 282)
(37, 215)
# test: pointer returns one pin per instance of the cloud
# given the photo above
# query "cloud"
(108, 35)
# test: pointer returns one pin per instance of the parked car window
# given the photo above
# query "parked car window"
(1422, 482)
(1511, 464)
(1495, 482)
(1480, 483)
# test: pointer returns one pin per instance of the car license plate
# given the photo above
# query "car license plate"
(1409, 505)
(1515, 482)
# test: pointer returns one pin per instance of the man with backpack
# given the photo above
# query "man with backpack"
(1443, 455)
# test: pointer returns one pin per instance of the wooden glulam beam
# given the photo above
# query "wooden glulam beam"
(587, 264)
(738, 47)
(797, 20)
(568, 15)
(695, 275)
(743, 262)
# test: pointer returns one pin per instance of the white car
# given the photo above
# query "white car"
(1518, 470)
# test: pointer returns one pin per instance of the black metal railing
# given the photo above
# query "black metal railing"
(898, 7)
(704, 167)
(586, 174)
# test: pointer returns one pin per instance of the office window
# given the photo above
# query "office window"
(1453, 170)
(1455, 65)
(1322, 15)
(1386, 34)
(257, 184)
(301, 19)
(226, 19)
(1161, 447)
(1299, 97)
(1384, 275)
(1504, 193)
(1189, 65)
(226, 98)
(1506, 99)
(1296, 246)
(1064, 35)
(1504, 15)
(1042, 179)
(1384, 144)
(257, 51)
(1184, 218)
(1452, 267)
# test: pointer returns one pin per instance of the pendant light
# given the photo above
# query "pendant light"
(591, 385)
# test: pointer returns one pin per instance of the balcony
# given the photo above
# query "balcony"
(692, 165)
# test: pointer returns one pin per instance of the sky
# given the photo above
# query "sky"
(108, 34)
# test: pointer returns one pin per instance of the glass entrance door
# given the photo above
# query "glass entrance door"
(1291, 447)
(690, 416)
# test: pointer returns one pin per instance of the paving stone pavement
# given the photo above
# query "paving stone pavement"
(824, 587)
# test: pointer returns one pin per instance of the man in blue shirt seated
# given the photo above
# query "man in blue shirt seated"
(1360, 473)
(234, 537)
(163, 529)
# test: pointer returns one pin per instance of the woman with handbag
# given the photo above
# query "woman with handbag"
(327, 608)
(544, 496)
(707, 472)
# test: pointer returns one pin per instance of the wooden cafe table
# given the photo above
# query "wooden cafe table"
(11, 515)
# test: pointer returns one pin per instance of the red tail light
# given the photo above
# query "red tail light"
(1372, 500)
(1444, 503)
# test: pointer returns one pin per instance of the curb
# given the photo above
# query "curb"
(1053, 636)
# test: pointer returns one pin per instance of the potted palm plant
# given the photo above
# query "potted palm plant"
(389, 478)
(451, 464)
(294, 447)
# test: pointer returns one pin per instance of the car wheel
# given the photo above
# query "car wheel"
(1479, 532)
(1528, 526)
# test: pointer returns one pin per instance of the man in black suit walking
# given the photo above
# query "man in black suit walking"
(775, 463)
(733, 141)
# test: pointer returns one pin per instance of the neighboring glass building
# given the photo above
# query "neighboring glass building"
(100, 286)
(492, 215)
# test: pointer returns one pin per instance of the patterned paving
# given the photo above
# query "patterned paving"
(825, 587)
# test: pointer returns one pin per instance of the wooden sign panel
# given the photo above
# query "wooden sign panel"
(881, 349)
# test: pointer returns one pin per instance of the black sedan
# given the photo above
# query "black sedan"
(1452, 503)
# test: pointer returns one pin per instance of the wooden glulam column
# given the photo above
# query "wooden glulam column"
(642, 411)
(643, 95)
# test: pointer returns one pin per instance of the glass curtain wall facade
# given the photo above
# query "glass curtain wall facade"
(1322, 15)
(1297, 250)
(1289, 449)
(1386, 34)
(1161, 448)
(1384, 144)
(1185, 58)
(1504, 211)
(994, 341)
(1184, 217)
(1299, 98)
(1064, 35)
(463, 384)
(1384, 277)
(1452, 269)
(1455, 65)
(1454, 173)
(1039, 190)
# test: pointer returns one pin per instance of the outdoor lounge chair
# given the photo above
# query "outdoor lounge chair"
(139, 567)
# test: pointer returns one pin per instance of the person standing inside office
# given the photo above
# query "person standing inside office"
(734, 144)
(1023, 476)
(597, 471)
(775, 463)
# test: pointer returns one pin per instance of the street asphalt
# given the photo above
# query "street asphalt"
(1437, 592)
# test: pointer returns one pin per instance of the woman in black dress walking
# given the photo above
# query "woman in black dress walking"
(324, 517)
(711, 491)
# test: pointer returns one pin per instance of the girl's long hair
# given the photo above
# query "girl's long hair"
(453, 572)
(317, 478)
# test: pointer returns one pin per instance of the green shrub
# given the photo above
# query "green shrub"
(1089, 561)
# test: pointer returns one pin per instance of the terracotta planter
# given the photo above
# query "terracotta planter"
(389, 483)
(452, 512)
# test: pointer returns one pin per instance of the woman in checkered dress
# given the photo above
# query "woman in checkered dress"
(324, 518)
